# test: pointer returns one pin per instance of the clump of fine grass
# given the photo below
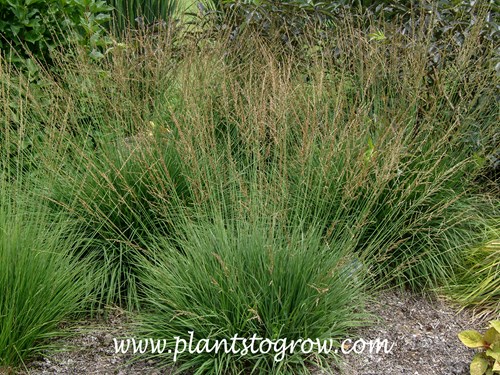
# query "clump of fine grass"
(368, 145)
(477, 283)
(42, 284)
(115, 168)
(123, 193)
(138, 14)
(245, 278)
(236, 187)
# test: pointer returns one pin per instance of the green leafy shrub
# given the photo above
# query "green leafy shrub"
(33, 28)
(288, 21)
(448, 25)
(249, 278)
(42, 285)
(444, 18)
(488, 360)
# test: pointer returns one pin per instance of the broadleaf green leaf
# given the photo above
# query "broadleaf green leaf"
(471, 339)
(479, 364)
(495, 324)
(492, 335)
(492, 354)
(496, 366)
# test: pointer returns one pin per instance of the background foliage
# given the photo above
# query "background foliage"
(31, 29)
(137, 14)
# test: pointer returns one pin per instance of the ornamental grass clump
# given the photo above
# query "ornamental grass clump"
(477, 283)
(356, 138)
(42, 284)
(249, 278)
(123, 194)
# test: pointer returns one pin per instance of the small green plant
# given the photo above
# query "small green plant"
(488, 360)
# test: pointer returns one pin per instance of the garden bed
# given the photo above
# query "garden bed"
(424, 333)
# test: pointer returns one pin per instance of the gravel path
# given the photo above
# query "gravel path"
(424, 334)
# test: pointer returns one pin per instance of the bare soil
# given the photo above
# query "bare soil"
(424, 334)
